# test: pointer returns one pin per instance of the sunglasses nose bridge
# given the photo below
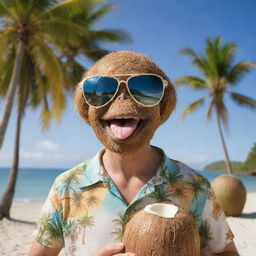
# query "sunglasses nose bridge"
(122, 91)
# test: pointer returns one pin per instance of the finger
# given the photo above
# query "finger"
(109, 250)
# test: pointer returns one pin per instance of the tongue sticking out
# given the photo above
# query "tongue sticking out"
(123, 129)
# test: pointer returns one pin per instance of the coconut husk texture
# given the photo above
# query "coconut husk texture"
(230, 194)
(147, 234)
(125, 62)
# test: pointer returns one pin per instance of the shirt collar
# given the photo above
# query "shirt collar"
(95, 173)
(167, 166)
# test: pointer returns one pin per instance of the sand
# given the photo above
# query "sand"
(16, 239)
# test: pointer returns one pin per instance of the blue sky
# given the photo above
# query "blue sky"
(159, 29)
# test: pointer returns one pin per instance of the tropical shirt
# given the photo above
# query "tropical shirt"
(85, 211)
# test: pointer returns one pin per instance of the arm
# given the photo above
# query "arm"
(109, 250)
(216, 233)
(39, 250)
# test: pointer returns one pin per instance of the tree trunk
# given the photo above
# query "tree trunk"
(7, 198)
(227, 160)
(11, 91)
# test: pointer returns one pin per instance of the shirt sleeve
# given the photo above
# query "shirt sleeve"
(214, 230)
(49, 232)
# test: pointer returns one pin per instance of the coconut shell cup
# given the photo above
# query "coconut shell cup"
(162, 230)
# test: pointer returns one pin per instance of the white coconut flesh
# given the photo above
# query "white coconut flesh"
(162, 210)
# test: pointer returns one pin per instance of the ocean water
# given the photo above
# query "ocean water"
(33, 185)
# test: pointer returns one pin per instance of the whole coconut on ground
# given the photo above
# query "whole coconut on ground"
(230, 194)
(160, 230)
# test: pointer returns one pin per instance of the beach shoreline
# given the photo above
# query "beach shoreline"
(16, 234)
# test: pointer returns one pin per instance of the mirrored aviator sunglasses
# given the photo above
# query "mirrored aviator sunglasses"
(145, 89)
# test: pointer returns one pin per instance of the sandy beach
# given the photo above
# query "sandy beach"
(16, 239)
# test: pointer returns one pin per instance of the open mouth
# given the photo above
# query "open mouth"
(122, 128)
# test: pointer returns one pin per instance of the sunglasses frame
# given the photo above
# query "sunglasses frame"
(165, 83)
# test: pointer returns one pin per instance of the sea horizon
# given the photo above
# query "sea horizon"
(33, 184)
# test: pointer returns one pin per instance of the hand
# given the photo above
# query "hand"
(112, 250)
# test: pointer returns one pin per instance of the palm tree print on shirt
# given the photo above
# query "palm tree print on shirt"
(84, 222)
(119, 223)
(205, 234)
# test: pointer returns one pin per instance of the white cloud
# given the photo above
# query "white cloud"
(6, 157)
(40, 156)
(41, 159)
(47, 145)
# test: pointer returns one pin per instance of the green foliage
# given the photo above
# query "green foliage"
(221, 166)
(56, 34)
(250, 162)
(218, 73)
(246, 167)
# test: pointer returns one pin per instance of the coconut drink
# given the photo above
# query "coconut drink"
(162, 230)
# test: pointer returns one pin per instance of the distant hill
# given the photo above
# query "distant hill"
(248, 167)
(221, 166)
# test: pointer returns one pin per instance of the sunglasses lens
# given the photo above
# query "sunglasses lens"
(146, 89)
(99, 90)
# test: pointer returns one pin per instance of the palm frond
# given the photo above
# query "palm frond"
(39, 89)
(58, 105)
(212, 53)
(228, 52)
(243, 100)
(74, 70)
(35, 6)
(5, 78)
(111, 35)
(192, 107)
(193, 82)
(198, 61)
(6, 46)
(99, 13)
(209, 110)
(5, 10)
(45, 118)
(48, 63)
(67, 9)
(64, 31)
(95, 54)
(237, 71)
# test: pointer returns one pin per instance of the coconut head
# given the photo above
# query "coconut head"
(230, 194)
(160, 230)
(145, 120)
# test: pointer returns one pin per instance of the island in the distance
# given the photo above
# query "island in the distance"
(248, 167)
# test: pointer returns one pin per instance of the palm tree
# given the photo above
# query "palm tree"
(38, 45)
(34, 26)
(198, 185)
(205, 234)
(119, 223)
(174, 177)
(84, 222)
(218, 74)
(161, 194)
(26, 82)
